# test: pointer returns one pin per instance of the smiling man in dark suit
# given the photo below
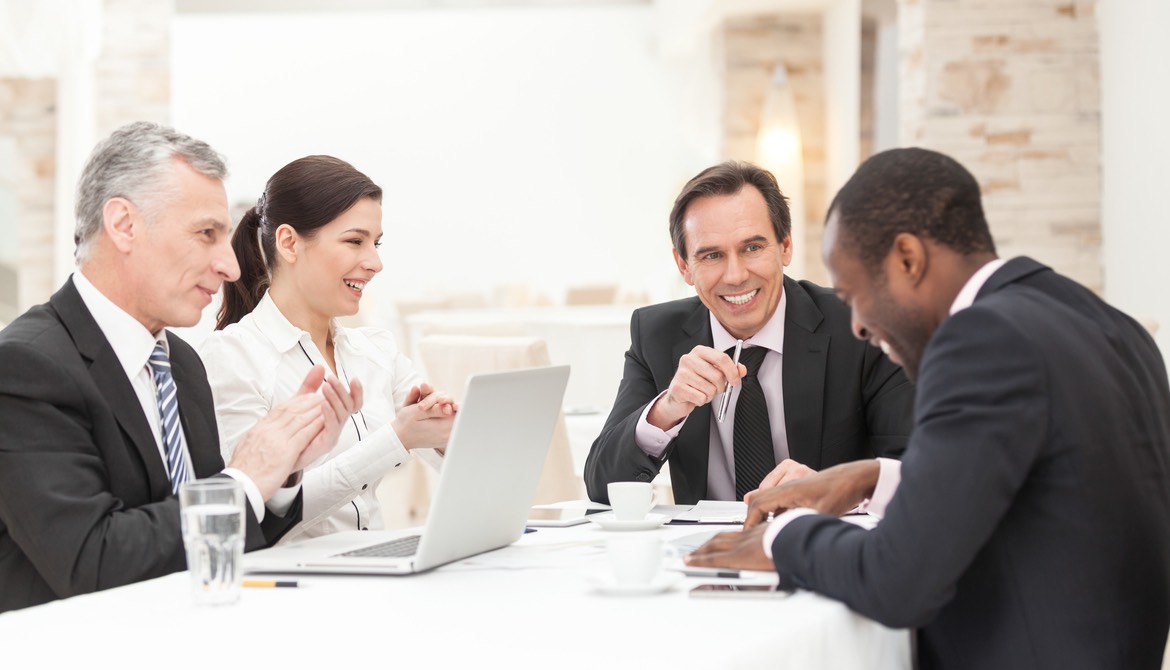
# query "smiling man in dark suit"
(820, 396)
(1027, 525)
(88, 465)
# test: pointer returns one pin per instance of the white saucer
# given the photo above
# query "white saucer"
(605, 585)
(607, 522)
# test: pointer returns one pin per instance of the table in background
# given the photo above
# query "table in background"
(583, 429)
(527, 605)
(592, 339)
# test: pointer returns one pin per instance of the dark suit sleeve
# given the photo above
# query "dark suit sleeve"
(57, 505)
(889, 404)
(984, 412)
(615, 457)
(55, 497)
(274, 526)
(266, 533)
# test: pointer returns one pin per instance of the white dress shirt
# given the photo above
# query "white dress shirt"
(261, 361)
(132, 344)
(890, 470)
(721, 457)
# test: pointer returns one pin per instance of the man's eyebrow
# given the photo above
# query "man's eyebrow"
(213, 222)
(703, 251)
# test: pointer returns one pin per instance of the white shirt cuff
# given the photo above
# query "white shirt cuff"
(651, 439)
(369, 460)
(778, 524)
(250, 490)
(889, 477)
(283, 499)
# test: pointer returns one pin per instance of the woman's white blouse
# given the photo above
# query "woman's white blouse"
(261, 361)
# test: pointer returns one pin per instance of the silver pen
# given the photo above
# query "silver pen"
(727, 391)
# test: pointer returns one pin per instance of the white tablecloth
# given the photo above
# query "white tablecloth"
(527, 605)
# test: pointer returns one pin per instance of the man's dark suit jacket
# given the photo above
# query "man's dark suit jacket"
(1031, 528)
(85, 501)
(843, 399)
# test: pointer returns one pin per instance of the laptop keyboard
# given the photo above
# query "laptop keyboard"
(403, 546)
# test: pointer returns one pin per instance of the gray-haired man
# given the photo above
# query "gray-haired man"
(87, 473)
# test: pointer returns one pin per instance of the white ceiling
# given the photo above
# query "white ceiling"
(256, 6)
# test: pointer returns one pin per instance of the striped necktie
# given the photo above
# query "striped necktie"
(168, 411)
(751, 440)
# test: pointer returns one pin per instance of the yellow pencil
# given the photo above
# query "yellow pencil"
(267, 584)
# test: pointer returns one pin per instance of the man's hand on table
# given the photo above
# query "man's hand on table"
(741, 550)
(835, 490)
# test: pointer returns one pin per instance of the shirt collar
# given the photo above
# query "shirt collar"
(770, 336)
(967, 294)
(279, 330)
(131, 341)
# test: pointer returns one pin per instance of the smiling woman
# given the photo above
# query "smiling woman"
(307, 251)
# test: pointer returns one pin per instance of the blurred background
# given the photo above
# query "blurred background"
(531, 149)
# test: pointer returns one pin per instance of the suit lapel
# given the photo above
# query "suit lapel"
(805, 357)
(693, 444)
(696, 330)
(193, 416)
(110, 378)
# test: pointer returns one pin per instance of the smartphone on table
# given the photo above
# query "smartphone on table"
(738, 591)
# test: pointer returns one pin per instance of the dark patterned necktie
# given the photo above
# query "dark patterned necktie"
(752, 432)
(168, 410)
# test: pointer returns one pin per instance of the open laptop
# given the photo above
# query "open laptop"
(493, 461)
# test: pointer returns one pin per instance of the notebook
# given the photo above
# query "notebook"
(493, 461)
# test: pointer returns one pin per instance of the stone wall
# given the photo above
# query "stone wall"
(131, 81)
(132, 77)
(753, 46)
(28, 120)
(1009, 88)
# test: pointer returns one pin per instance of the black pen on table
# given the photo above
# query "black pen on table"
(727, 390)
(719, 574)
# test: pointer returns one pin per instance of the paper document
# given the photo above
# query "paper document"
(714, 511)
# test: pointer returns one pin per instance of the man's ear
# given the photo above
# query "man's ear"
(120, 222)
(909, 258)
(288, 243)
(683, 268)
(786, 250)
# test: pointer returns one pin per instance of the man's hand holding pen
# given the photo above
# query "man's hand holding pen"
(702, 374)
(726, 400)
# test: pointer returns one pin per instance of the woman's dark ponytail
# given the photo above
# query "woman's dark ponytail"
(241, 296)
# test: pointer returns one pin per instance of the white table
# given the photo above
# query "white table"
(527, 605)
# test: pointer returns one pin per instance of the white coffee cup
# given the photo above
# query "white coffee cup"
(634, 559)
(631, 501)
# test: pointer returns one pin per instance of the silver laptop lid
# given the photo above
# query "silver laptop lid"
(495, 455)
(494, 458)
